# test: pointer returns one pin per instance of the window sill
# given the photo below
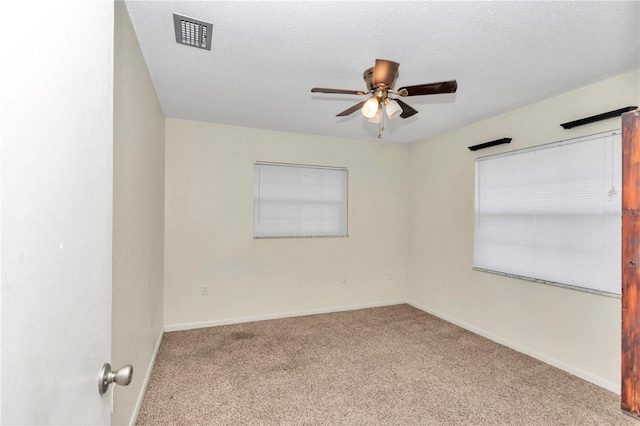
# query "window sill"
(555, 284)
(279, 237)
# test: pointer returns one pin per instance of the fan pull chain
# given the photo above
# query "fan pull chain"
(381, 122)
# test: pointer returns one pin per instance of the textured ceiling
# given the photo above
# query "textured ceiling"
(267, 55)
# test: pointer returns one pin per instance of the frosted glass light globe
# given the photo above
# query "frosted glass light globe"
(370, 108)
(393, 109)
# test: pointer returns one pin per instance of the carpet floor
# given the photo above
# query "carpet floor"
(392, 365)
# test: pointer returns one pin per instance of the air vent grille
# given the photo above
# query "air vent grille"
(192, 32)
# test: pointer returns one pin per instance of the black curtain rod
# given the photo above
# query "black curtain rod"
(598, 117)
(488, 144)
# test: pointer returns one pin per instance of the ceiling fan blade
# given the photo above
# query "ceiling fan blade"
(340, 91)
(385, 73)
(431, 88)
(351, 110)
(407, 110)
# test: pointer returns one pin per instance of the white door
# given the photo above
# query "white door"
(56, 208)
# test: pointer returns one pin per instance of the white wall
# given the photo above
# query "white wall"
(209, 227)
(138, 217)
(57, 136)
(574, 330)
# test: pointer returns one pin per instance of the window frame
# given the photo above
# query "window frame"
(305, 166)
(478, 160)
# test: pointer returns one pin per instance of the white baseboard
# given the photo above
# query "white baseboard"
(136, 410)
(596, 380)
(238, 320)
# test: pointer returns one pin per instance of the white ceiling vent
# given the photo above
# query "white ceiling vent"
(192, 32)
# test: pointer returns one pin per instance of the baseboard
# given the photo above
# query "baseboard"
(136, 410)
(239, 320)
(596, 380)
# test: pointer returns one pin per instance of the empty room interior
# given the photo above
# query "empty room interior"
(377, 250)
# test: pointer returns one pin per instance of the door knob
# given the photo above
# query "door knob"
(122, 376)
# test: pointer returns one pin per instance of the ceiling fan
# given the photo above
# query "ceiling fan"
(380, 81)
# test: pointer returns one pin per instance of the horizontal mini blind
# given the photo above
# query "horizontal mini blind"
(553, 213)
(292, 200)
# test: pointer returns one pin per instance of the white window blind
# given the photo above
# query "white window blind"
(553, 213)
(293, 200)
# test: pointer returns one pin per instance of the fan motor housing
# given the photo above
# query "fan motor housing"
(368, 79)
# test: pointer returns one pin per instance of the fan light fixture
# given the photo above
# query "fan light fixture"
(393, 109)
(370, 108)
(376, 118)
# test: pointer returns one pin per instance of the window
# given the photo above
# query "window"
(553, 213)
(292, 200)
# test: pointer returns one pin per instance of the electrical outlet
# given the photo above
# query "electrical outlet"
(204, 290)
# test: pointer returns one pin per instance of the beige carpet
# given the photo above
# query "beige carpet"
(383, 366)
